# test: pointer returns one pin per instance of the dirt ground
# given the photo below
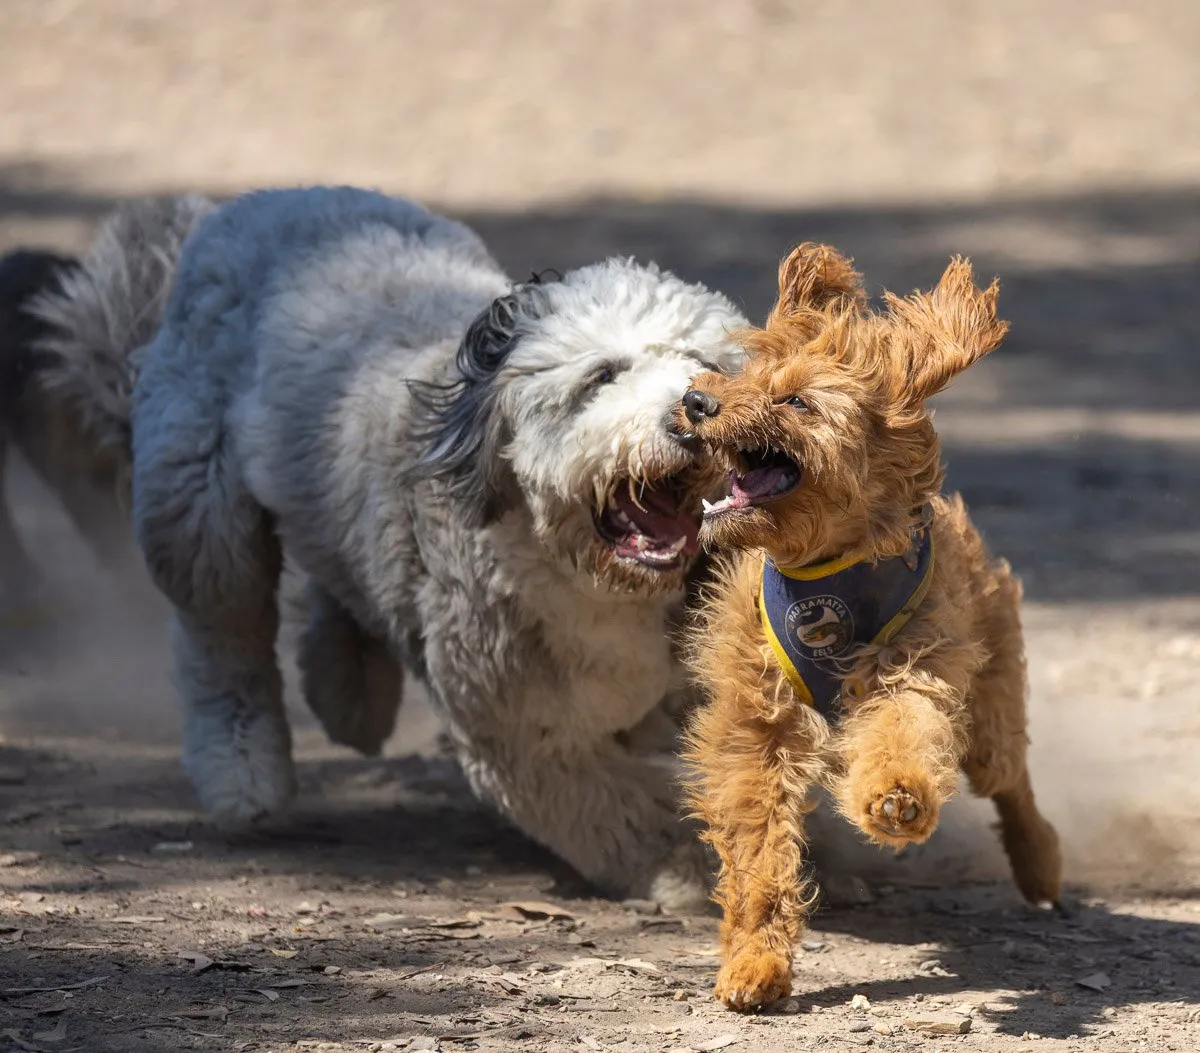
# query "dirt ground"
(1057, 144)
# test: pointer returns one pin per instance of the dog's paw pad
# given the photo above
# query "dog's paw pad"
(898, 813)
(752, 979)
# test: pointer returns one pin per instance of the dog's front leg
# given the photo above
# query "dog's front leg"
(757, 758)
(901, 751)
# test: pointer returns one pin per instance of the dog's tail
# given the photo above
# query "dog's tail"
(24, 276)
(104, 310)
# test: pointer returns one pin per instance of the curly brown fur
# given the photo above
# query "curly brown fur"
(840, 391)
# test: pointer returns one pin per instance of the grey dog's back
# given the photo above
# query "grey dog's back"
(335, 261)
(296, 323)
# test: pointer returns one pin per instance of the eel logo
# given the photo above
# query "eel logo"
(821, 626)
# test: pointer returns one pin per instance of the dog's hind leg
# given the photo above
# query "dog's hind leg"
(996, 764)
(19, 576)
(237, 746)
(351, 680)
(212, 550)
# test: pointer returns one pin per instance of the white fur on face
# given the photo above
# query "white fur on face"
(589, 387)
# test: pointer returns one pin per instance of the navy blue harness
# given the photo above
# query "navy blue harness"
(814, 615)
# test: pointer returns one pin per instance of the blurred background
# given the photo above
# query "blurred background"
(1057, 144)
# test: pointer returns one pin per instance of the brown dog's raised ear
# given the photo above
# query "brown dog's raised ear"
(939, 334)
(814, 275)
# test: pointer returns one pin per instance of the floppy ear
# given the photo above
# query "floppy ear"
(939, 334)
(814, 275)
(460, 422)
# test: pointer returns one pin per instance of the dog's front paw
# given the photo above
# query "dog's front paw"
(753, 978)
(899, 810)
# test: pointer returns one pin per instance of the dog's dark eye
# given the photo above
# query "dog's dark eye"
(796, 402)
(606, 374)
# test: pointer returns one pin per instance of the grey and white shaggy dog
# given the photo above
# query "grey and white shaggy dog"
(480, 481)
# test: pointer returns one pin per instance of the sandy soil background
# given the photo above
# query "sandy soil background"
(1057, 144)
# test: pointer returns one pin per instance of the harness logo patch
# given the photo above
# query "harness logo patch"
(820, 625)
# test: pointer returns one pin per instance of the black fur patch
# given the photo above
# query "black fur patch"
(24, 274)
(457, 421)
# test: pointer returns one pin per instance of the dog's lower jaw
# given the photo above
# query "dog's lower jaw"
(606, 572)
(747, 528)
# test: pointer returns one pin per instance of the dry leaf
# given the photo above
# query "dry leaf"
(199, 961)
(510, 982)
(283, 954)
(15, 1036)
(172, 848)
(270, 996)
(15, 991)
(216, 1012)
(1095, 982)
(57, 1035)
(536, 909)
(454, 923)
(661, 924)
(636, 965)
(588, 963)
(394, 921)
(939, 1024)
(293, 982)
(720, 1042)
(137, 919)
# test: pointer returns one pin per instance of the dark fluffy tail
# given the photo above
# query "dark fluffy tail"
(105, 309)
(24, 276)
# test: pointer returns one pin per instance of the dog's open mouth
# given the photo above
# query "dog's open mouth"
(649, 526)
(761, 474)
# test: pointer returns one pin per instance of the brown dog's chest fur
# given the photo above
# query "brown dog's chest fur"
(951, 628)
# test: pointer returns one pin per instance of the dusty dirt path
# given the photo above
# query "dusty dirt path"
(1057, 144)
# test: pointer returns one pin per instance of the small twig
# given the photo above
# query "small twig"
(16, 992)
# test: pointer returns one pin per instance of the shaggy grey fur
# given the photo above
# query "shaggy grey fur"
(352, 380)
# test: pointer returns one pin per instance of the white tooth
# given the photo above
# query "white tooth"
(677, 547)
(708, 505)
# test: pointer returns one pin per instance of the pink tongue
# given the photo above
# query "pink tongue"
(660, 519)
(758, 482)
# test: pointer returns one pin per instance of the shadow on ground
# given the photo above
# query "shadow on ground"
(971, 937)
(1086, 473)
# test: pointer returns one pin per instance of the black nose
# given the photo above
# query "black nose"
(698, 404)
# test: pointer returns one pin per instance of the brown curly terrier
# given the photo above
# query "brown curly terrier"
(860, 637)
